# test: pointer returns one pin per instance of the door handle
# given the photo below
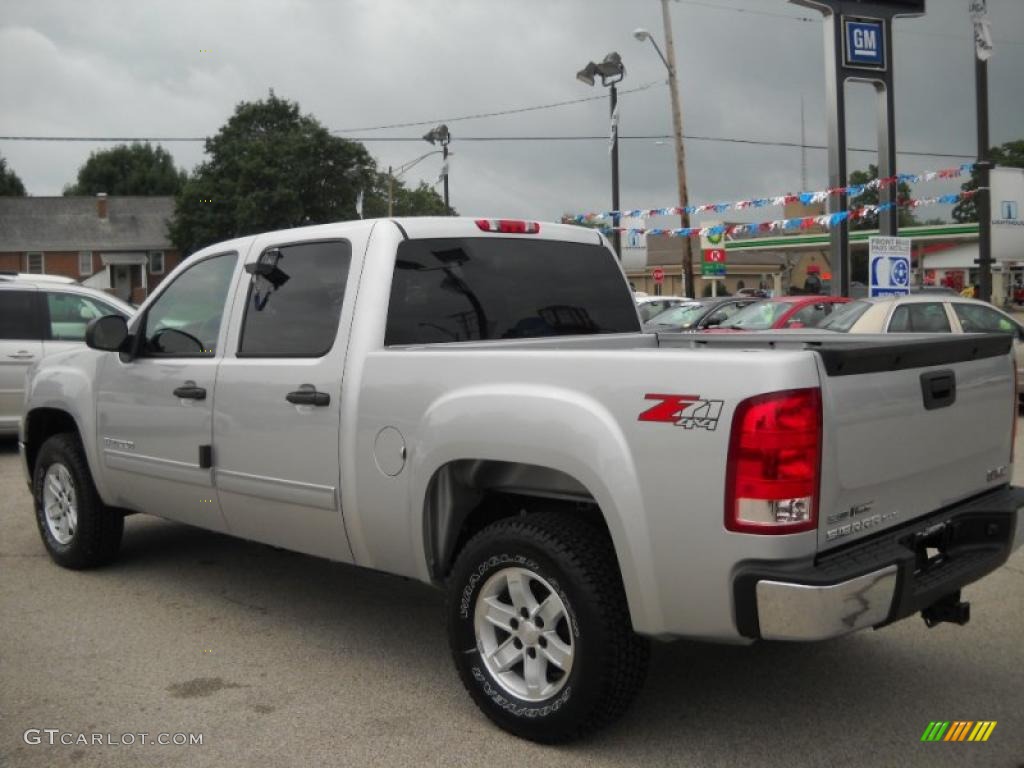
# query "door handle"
(21, 356)
(190, 391)
(938, 389)
(307, 395)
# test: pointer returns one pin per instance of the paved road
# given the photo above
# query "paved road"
(280, 660)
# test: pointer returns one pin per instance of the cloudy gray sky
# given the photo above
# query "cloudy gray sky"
(178, 67)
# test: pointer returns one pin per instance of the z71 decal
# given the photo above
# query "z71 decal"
(687, 411)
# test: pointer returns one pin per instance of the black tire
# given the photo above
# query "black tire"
(97, 536)
(609, 663)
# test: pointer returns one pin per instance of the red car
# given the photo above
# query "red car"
(783, 312)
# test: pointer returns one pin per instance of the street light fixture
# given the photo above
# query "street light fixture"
(441, 135)
(611, 71)
(677, 127)
(397, 173)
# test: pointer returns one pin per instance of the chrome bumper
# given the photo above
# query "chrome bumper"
(803, 612)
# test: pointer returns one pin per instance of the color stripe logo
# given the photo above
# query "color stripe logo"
(959, 730)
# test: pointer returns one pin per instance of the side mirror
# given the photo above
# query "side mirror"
(716, 319)
(107, 333)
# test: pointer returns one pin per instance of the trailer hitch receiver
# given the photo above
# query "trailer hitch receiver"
(950, 608)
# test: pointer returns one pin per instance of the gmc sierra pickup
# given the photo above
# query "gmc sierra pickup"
(471, 403)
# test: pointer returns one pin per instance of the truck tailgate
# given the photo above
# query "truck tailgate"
(911, 426)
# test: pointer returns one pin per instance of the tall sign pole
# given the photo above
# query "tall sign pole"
(983, 199)
(858, 48)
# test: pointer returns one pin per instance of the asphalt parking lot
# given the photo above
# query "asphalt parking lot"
(279, 659)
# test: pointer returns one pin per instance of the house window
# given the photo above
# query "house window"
(156, 262)
(34, 263)
(85, 263)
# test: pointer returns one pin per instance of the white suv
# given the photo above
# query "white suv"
(40, 315)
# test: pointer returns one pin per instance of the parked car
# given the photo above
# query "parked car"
(41, 315)
(697, 314)
(755, 293)
(930, 312)
(782, 312)
(348, 391)
(650, 306)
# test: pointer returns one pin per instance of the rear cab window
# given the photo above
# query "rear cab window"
(468, 289)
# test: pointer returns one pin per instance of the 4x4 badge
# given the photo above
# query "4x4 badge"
(687, 411)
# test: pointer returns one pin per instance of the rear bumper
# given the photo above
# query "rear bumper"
(881, 579)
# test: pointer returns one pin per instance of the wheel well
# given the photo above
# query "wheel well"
(42, 424)
(467, 495)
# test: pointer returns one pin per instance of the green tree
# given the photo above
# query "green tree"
(269, 167)
(1009, 155)
(421, 200)
(135, 169)
(870, 197)
(10, 184)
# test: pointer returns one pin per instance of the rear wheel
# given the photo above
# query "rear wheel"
(78, 530)
(540, 630)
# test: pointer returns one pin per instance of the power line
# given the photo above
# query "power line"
(805, 19)
(646, 137)
(515, 111)
(751, 11)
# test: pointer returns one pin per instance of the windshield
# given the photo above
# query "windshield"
(844, 316)
(683, 316)
(758, 317)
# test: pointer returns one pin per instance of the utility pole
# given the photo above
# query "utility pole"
(677, 129)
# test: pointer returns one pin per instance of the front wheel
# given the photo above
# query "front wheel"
(540, 630)
(77, 529)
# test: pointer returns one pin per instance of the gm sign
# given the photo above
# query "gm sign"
(864, 43)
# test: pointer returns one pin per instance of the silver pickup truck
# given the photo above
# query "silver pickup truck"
(471, 403)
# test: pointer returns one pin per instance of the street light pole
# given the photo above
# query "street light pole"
(441, 135)
(677, 130)
(983, 198)
(444, 161)
(401, 170)
(616, 234)
(611, 71)
(391, 193)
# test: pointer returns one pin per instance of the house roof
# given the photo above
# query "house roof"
(73, 223)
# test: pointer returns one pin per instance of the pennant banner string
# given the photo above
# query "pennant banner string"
(827, 220)
(807, 198)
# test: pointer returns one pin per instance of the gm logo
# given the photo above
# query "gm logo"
(864, 43)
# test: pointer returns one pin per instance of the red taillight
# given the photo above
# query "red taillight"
(509, 226)
(774, 464)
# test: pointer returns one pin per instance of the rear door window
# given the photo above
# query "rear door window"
(19, 316)
(809, 316)
(919, 318)
(975, 318)
(299, 316)
(465, 289)
(70, 313)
